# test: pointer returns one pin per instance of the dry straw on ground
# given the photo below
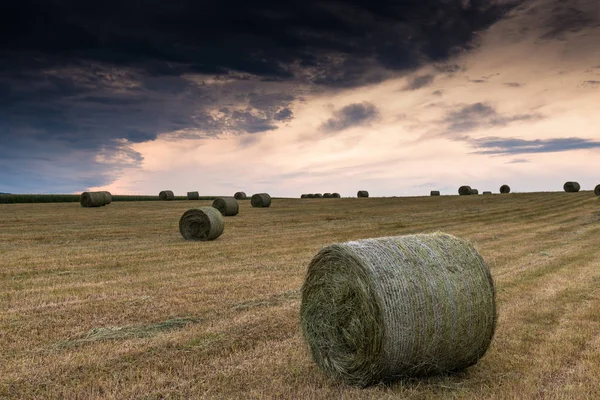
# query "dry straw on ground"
(193, 196)
(378, 309)
(504, 189)
(362, 193)
(597, 190)
(571, 187)
(434, 193)
(228, 206)
(240, 196)
(260, 200)
(464, 190)
(205, 223)
(166, 195)
(92, 199)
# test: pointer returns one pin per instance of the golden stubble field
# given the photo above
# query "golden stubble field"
(113, 303)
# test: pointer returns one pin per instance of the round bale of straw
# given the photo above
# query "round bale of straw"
(487, 192)
(336, 195)
(362, 193)
(374, 310)
(474, 191)
(317, 195)
(166, 195)
(435, 193)
(504, 189)
(193, 196)
(228, 206)
(107, 197)
(571, 187)
(205, 223)
(326, 195)
(303, 196)
(597, 190)
(260, 200)
(310, 196)
(92, 199)
(240, 196)
(464, 190)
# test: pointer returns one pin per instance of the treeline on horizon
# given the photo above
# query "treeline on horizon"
(7, 198)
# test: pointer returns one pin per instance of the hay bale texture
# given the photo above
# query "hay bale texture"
(504, 189)
(205, 223)
(571, 187)
(240, 196)
(434, 193)
(597, 190)
(92, 199)
(193, 196)
(464, 190)
(228, 206)
(260, 200)
(362, 193)
(374, 310)
(166, 195)
(336, 196)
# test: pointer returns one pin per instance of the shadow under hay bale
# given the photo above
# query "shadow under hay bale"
(434, 193)
(597, 190)
(504, 189)
(228, 206)
(92, 199)
(464, 190)
(166, 195)
(362, 193)
(571, 187)
(474, 191)
(205, 223)
(240, 196)
(260, 200)
(107, 197)
(374, 310)
(193, 196)
(335, 196)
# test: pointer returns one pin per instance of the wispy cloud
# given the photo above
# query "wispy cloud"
(496, 145)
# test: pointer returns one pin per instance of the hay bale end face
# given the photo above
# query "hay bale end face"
(434, 193)
(166, 195)
(571, 187)
(487, 192)
(597, 190)
(240, 196)
(193, 196)
(336, 196)
(260, 200)
(474, 191)
(228, 206)
(92, 199)
(374, 310)
(464, 190)
(362, 193)
(205, 223)
(504, 189)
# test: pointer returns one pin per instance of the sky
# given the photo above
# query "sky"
(394, 97)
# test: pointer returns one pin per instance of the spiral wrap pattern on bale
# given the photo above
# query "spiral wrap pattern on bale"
(205, 223)
(378, 309)
(166, 195)
(571, 187)
(240, 196)
(93, 199)
(464, 190)
(260, 200)
(193, 196)
(228, 206)
(362, 193)
(434, 193)
(597, 190)
(504, 189)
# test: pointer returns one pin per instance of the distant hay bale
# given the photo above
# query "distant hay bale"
(228, 206)
(336, 196)
(504, 189)
(260, 200)
(166, 195)
(474, 191)
(303, 196)
(362, 193)
(205, 223)
(240, 196)
(310, 196)
(317, 195)
(434, 193)
(597, 190)
(374, 310)
(193, 196)
(92, 199)
(464, 190)
(487, 192)
(107, 197)
(326, 195)
(571, 187)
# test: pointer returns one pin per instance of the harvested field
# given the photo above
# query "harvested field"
(111, 302)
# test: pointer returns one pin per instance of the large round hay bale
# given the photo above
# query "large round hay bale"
(204, 223)
(228, 206)
(166, 195)
(240, 196)
(487, 192)
(193, 196)
(260, 200)
(474, 191)
(362, 193)
(336, 195)
(597, 190)
(434, 193)
(377, 309)
(317, 196)
(92, 199)
(107, 197)
(464, 190)
(326, 195)
(504, 189)
(571, 187)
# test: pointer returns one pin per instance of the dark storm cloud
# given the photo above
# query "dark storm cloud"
(478, 115)
(419, 81)
(355, 114)
(496, 145)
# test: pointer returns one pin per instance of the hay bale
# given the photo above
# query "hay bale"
(487, 192)
(571, 187)
(326, 195)
(303, 196)
(310, 196)
(205, 223)
(474, 191)
(228, 206)
(336, 196)
(107, 197)
(92, 199)
(166, 195)
(193, 196)
(464, 190)
(362, 193)
(377, 309)
(597, 190)
(317, 196)
(434, 193)
(504, 189)
(260, 200)
(240, 196)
